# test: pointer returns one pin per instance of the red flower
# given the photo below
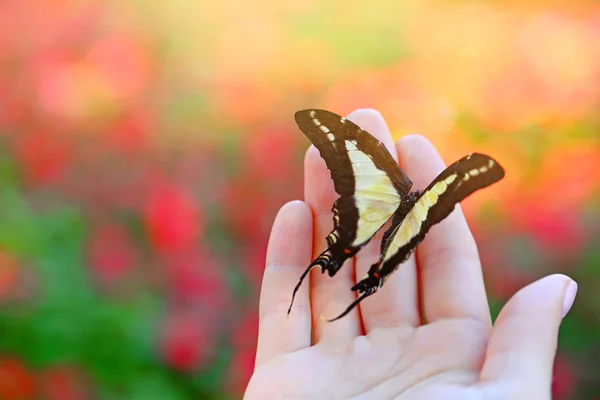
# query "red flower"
(63, 383)
(184, 341)
(246, 333)
(240, 370)
(43, 158)
(9, 273)
(196, 278)
(111, 253)
(503, 281)
(564, 379)
(16, 381)
(254, 262)
(244, 341)
(172, 219)
(245, 209)
(557, 233)
(270, 154)
(130, 132)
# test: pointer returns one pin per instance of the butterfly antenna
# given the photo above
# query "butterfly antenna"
(351, 306)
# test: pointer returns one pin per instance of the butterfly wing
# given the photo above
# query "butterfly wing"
(365, 175)
(426, 209)
(368, 180)
(436, 202)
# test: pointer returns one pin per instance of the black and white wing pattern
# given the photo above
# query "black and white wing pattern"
(369, 181)
(429, 207)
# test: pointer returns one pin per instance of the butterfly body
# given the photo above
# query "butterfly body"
(373, 189)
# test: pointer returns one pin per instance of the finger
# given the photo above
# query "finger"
(288, 254)
(329, 295)
(448, 261)
(396, 303)
(522, 345)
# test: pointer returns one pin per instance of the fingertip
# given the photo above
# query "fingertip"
(569, 298)
(312, 153)
(365, 114)
(412, 136)
(319, 190)
(551, 285)
(294, 208)
(524, 338)
(412, 140)
(417, 152)
(293, 224)
(545, 291)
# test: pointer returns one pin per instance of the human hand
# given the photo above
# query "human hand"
(382, 349)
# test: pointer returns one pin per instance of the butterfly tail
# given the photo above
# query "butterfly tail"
(351, 306)
(323, 261)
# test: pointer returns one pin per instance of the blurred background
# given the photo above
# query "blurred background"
(145, 147)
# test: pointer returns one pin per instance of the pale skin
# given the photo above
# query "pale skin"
(382, 349)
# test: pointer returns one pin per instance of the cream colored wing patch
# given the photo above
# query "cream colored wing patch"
(375, 196)
(411, 225)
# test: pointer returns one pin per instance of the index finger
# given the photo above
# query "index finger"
(290, 248)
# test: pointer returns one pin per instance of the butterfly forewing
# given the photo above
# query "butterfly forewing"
(329, 133)
(369, 181)
(435, 203)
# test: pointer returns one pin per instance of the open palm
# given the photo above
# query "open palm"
(383, 349)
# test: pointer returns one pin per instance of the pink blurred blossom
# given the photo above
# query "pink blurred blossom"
(560, 234)
(130, 132)
(240, 370)
(196, 279)
(9, 274)
(123, 64)
(246, 206)
(504, 280)
(63, 383)
(244, 347)
(185, 341)
(53, 80)
(17, 382)
(43, 157)
(111, 253)
(564, 378)
(269, 153)
(172, 218)
(254, 263)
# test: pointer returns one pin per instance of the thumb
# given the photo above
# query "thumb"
(523, 342)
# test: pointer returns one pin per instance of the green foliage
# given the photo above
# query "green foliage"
(65, 321)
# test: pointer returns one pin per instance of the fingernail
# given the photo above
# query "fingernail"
(569, 298)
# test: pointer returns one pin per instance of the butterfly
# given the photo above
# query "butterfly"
(373, 189)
